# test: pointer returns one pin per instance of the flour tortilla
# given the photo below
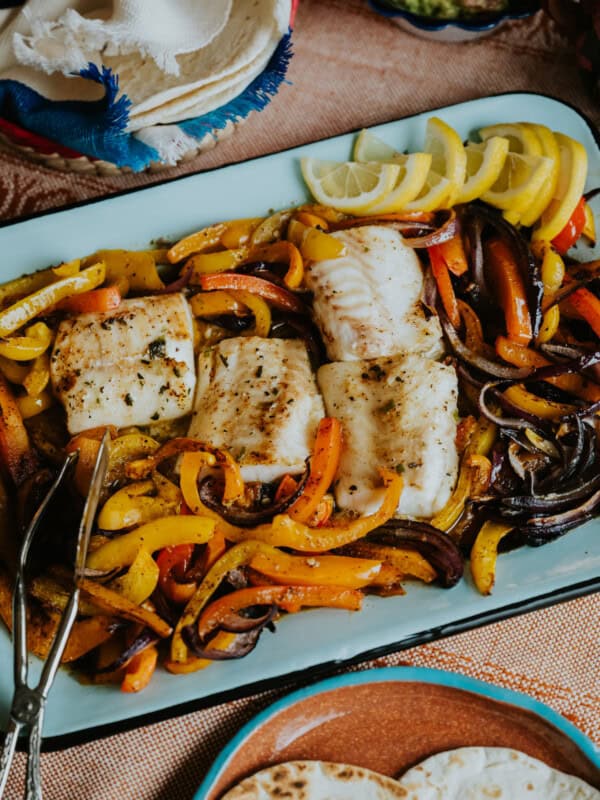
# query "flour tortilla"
(316, 780)
(486, 773)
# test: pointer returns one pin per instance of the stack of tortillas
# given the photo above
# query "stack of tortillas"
(174, 59)
(469, 773)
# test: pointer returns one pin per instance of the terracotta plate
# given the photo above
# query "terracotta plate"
(389, 719)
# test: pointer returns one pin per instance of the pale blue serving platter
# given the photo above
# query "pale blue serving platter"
(311, 643)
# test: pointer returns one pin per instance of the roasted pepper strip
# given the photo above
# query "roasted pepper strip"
(196, 242)
(314, 244)
(452, 253)
(220, 641)
(544, 409)
(172, 563)
(16, 454)
(553, 273)
(323, 467)
(139, 671)
(463, 490)
(22, 311)
(115, 603)
(213, 304)
(29, 406)
(239, 231)
(213, 263)
(510, 288)
(276, 295)
(587, 306)
(140, 580)
(473, 330)
(282, 252)
(259, 309)
(444, 285)
(280, 567)
(105, 299)
(37, 339)
(485, 552)
(285, 532)
(572, 230)
(408, 563)
(191, 463)
(130, 269)
(26, 285)
(134, 505)
(122, 550)
(38, 376)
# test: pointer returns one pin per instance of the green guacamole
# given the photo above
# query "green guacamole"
(449, 9)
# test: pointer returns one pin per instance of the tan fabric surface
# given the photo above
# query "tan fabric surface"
(351, 69)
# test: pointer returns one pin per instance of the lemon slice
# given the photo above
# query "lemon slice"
(411, 181)
(520, 180)
(434, 195)
(484, 165)
(550, 150)
(448, 154)
(572, 175)
(522, 138)
(369, 147)
(349, 186)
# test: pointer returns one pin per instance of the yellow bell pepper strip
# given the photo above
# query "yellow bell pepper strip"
(191, 463)
(139, 671)
(212, 263)
(589, 229)
(239, 231)
(484, 554)
(314, 244)
(468, 480)
(30, 405)
(22, 311)
(105, 299)
(220, 641)
(354, 573)
(38, 376)
(197, 242)
(234, 483)
(115, 603)
(260, 310)
(553, 274)
(323, 468)
(587, 306)
(289, 598)
(155, 535)
(280, 252)
(452, 253)
(173, 563)
(327, 213)
(16, 373)
(17, 457)
(510, 290)
(572, 230)
(140, 580)
(25, 285)
(135, 505)
(526, 357)
(544, 409)
(133, 269)
(68, 268)
(37, 340)
(407, 563)
(283, 531)
(311, 221)
(272, 228)
(213, 304)
(273, 294)
(444, 285)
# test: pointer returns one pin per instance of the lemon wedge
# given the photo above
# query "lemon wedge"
(549, 150)
(572, 175)
(521, 137)
(521, 179)
(369, 147)
(448, 154)
(434, 195)
(349, 186)
(484, 165)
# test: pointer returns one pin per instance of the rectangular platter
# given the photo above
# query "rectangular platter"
(314, 641)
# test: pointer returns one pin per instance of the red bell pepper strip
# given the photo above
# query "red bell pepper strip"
(172, 564)
(276, 295)
(564, 240)
(444, 285)
(452, 253)
(323, 467)
(587, 306)
(105, 299)
(289, 598)
(16, 454)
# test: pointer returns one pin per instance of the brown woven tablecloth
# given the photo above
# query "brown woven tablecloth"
(351, 69)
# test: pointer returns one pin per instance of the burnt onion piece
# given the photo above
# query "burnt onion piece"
(434, 545)
(243, 643)
(478, 289)
(542, 529)
(242, 623)
(521, 420)
(446, 231)
(175, 286)
(211, 492)
(553, 501)
(141, 642)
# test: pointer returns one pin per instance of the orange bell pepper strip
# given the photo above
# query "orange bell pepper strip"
(452, 253)
(587, 306)
(564, 240)
(191, 463)
(105, 299)
(220, 641)
(323, 468)
(17, 456)
(172, 564)
(139, 671)
(510, 289)
(213, 550)
(275, 295)
(520, 356)
(289, 598)
(279, 252)
(444, 285)
(281, 567)
(318, 518)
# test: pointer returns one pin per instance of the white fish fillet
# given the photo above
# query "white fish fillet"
(367, 302)
(130, 366)
(258, 399)
(398, 413)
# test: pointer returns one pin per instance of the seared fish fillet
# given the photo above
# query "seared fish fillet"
(367, 302)
(258, 399)
(131, 366)
(398, 413)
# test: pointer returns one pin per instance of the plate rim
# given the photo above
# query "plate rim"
(400, 674)
(322, 668)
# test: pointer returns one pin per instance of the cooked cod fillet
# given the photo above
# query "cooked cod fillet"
(367, 302)
(258, 399)
(398, 413)
(131, 366)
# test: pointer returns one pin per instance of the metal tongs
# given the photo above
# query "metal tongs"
(28, 704)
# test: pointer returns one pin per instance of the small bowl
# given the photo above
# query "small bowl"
(453, 30)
